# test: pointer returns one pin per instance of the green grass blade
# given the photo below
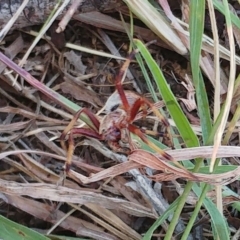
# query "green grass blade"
(146, 77)
(218, 169)
(153, 93)
(219, 223)
(172, 105)
(217, 122)
(55, 237)
(197, 13)
(10, 230)
(203, 109)
(145, 147)
(219, 6)
(160, 220)
(218, 220)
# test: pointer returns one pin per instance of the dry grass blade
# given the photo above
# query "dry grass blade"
(169, 172)
(140, 159)
(9, 24)
(64, 194)
(149, 15)
(104, 21)
(108, 195)
(109, 172)
(109, 221)
(68, 15)
(41, 211)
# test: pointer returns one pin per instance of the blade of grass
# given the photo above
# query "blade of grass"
(150, 16)
(175, 109)
(53, 15)
(220, 130)
(197, 13)
(227, 105)
(219, 224)
(10, 230)
(217, 122)
(146, 77)
(219, 169)
(203, 109)
(233, 121)
(78, 47)
(220, 7)
(217, 91)
(197, 9)
(218, 221)
(172, 105)
(232, 125)
(160, 220)
(155, 98)
(181, 122)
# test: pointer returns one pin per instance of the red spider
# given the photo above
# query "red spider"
(117, 125)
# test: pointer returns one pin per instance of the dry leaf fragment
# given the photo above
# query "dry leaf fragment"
(190, 102)
(76, 61)
(81, 93)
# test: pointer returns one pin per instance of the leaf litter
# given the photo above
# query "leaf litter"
(94, 189)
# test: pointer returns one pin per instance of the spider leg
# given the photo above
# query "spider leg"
(139, 103)
(76, 131)
(91, 132)
(116, 147)
(118, 82)
(143, 137)
(90, 115)
(153, 133)
(161, 118)
(142, 102)
(70, 151)
(86, 132)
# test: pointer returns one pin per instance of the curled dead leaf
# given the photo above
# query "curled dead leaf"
(140, 159)
(170, 172)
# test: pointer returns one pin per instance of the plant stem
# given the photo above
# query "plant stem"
(195, 213)
(178, 211)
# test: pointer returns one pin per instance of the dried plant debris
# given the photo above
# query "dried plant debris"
(116, 186)
(81, 93)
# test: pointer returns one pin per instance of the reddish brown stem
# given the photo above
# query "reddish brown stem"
(143, 137)
(86, 132)
(118, 82)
